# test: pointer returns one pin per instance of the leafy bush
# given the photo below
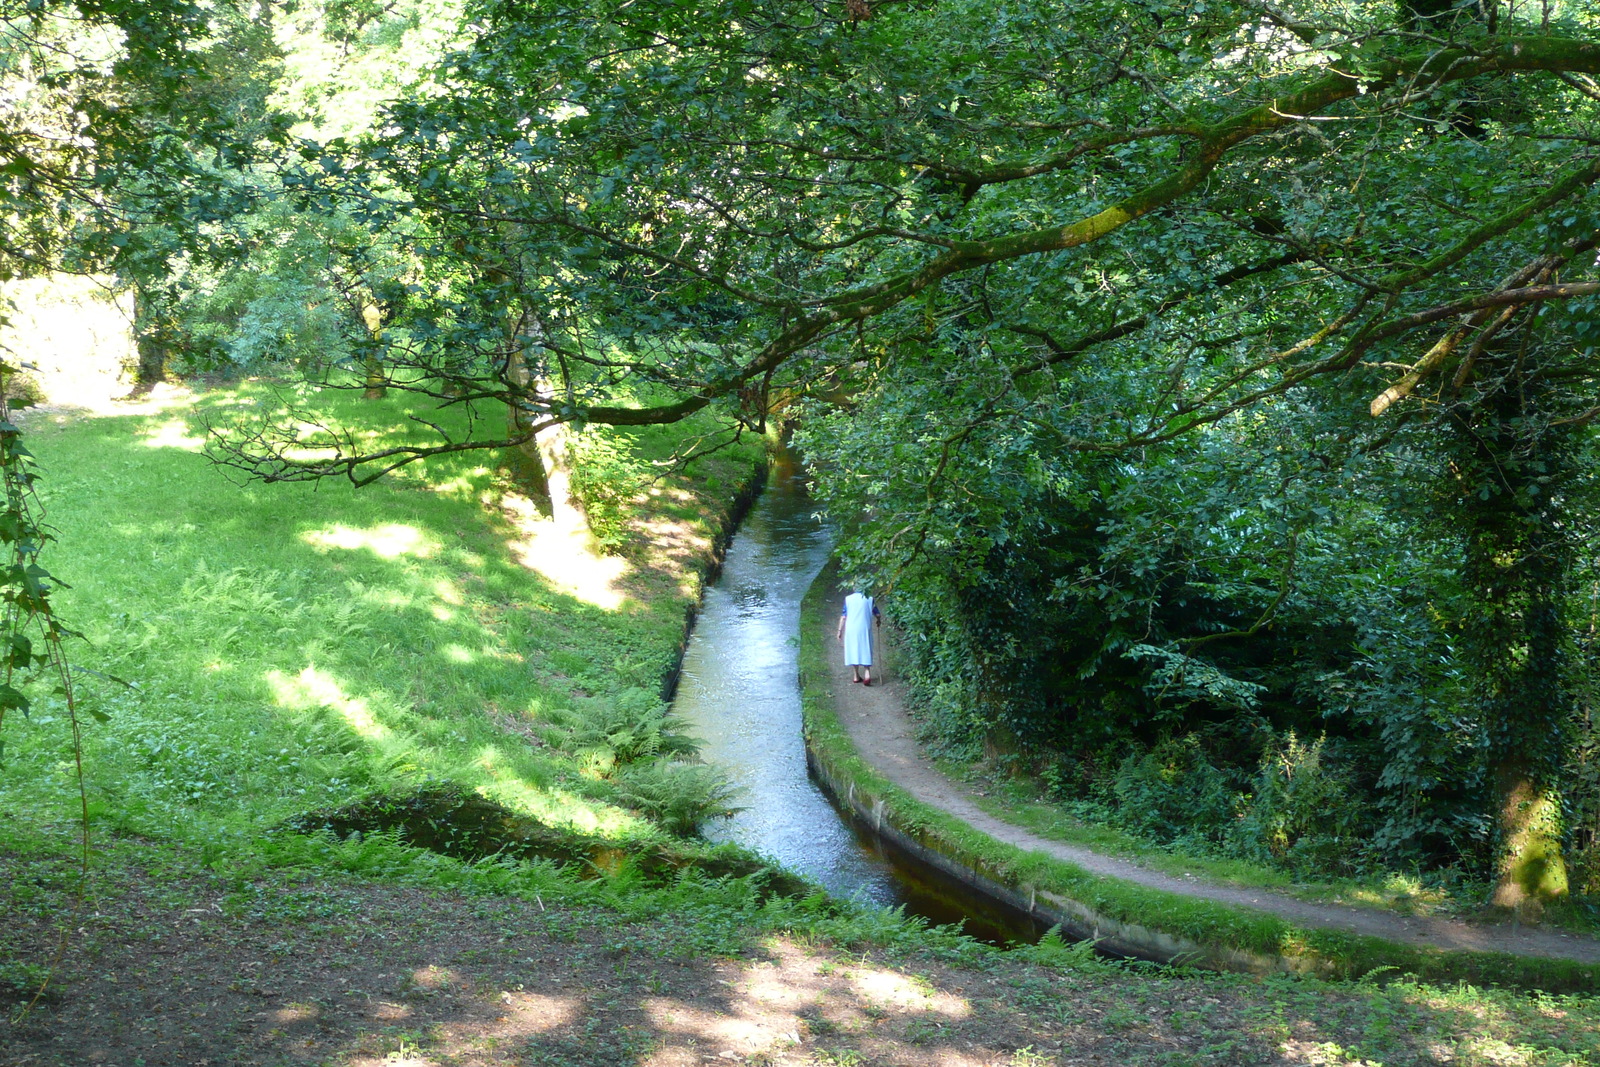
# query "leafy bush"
(633, 742)
(1583, 871)
(1174, 794)
(606, 476)
(633, 727)
(1305, 813)
(679, 797)
(1179, 680)
(1581, 782)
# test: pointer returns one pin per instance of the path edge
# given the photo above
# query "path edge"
(1123, 918)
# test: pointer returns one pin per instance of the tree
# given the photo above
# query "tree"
(652, 163)
(1213, 206)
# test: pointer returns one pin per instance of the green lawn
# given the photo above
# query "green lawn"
(287, 647)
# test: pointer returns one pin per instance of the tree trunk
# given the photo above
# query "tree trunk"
(376, 384)
(539, 465)
(1532, 871)
(1511, 466)
(525, 461)
(152, 334)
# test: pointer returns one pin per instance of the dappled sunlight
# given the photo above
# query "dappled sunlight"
(791, 998)
(526, 1014)
(433, 977)
(793, 1007)
(791, 978)
(310, 455)
(887, 987)
(296, 1013)
(554, 807)
(112, 399)
(1332, 1054)
(389, 540)
(173, 433)
(312, 688)
(749, 1033)
(677, 546)
(503, 968)
(391, 1059)
(561, 551)
(461, 484)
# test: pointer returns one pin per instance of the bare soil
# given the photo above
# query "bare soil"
(884, 733)
(170, 964)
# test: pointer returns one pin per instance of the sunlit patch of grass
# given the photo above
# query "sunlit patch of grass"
(388, 540)
(1399, 891)
(313, 689)
(173, 433)
(563, 554)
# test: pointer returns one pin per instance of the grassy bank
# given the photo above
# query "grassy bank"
(290, 647)
(1020, 800)
(1213, 927)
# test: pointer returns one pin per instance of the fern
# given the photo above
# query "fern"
(608, 735)
(680, 797)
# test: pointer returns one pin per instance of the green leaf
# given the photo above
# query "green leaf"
(12, 697)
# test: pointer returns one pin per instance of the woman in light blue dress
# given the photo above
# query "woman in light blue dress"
(856, 623)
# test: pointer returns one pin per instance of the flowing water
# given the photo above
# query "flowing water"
(739, 692)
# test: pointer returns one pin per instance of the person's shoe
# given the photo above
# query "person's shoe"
(866, 681)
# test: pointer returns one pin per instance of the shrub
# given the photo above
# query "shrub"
(1173, 794)
(606, 476)
(1305, 813)
(679, 797)
(1584, 872)
(632, 727)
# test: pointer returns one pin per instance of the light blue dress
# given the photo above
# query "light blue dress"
(858, 612)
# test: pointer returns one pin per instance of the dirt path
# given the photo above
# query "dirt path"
(885, 736)
(174, 964)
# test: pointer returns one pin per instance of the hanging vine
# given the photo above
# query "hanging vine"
(32, 637)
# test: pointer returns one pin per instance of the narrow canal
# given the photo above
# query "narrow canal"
(739, 693)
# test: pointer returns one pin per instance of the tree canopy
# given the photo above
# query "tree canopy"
(755, 200)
